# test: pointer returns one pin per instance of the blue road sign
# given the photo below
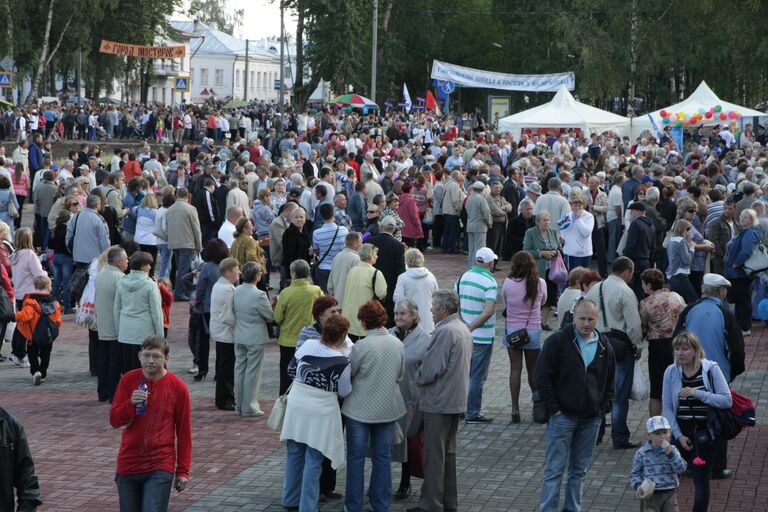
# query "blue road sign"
(6, 79)
(181, 83)
(448, 87)
(277, 85)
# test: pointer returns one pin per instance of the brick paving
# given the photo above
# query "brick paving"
(238, 463)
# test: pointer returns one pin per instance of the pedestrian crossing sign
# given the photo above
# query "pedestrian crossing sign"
(6, 79)
(181, 83)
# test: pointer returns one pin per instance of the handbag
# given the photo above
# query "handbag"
(77, 282)
(517, 339)
(757, 261)
(316, 264)
(416, 455)
(619, 340)
(7, 312)
(71, 243)
(276, 417)
(557, 271)
(12, 210)
(264, 241)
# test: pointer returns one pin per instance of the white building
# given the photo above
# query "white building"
(218, 65)
(163, 73)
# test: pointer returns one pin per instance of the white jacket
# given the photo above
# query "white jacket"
(418, 284)
(578, 236)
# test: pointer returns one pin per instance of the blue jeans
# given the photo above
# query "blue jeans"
(478, 372)
(614, 235)
(625, 371)
(301, 487)
(146, 492)
(570, 442)
(577, 261)
(451, 232)
(165, 260)
(184, 259)
(62, 271)
(380, 486)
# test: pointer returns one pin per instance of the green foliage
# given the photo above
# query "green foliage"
(217, 12)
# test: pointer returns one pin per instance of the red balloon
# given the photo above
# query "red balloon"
(732, 115)
(663, 113)
(723, 116)
(708, 115)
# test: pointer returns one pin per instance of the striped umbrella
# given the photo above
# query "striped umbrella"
(353, 100)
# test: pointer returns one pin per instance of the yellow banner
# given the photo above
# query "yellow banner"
(145, 52)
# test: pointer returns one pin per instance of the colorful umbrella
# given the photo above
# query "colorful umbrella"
(354, 101)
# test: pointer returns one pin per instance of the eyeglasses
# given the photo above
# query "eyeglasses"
(151, 357)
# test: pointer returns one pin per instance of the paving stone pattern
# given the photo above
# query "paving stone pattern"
(238, 463)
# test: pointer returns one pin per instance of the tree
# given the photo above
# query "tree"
(217, 12)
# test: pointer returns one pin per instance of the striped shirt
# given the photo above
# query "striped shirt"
(475, 287)
(322, 239)
(691, 410)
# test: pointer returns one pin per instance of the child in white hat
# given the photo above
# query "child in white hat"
(655, 468)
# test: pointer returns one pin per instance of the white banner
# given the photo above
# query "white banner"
(469, 77)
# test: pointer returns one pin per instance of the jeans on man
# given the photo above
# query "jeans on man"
(478, 372)
(614, 235)
(625, 371)
(301, 487)
(380, 486)
(184, 259)
(570, 442)
(145, 491)
(450, 233)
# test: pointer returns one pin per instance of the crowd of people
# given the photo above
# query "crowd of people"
(318, 231)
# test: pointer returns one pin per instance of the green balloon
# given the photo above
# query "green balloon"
(679, 124)
(718, 108)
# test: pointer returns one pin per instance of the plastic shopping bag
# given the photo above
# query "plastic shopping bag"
(641, 390)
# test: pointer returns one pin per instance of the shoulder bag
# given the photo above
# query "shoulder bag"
(318, 262)
(276, 417)
(620, 342)
(517, 339)
(13, 212)
(757, 261)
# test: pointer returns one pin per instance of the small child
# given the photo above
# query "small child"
(166, 298)
(39, 321)
(660, 462)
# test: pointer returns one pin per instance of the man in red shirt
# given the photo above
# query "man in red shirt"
(154, 407)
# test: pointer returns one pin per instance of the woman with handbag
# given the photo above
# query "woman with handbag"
(312, 421)
(9, 206)
(523, 293)
(693, 386)
(687, 209)
(415, 341)
(543, 244)
(737, 253)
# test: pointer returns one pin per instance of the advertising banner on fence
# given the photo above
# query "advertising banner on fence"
(469, 77)
(144, 52)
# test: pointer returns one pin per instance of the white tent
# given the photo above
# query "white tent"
(702, 97)
(564, 112)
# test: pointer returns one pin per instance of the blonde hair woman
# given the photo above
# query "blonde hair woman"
(680, 255)
(364, 282)
(576, 231)
(418, 284)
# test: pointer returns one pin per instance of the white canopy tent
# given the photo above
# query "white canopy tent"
(702, 97)
(565, 112)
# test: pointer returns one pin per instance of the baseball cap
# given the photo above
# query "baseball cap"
(655, 423)
(388, 221)
(715, 280)
(485, 255)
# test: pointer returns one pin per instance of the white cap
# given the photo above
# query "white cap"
(478, 185)
(485, 255)
(655, 423)
(715, 280)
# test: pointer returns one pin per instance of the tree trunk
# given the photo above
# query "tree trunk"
(299, 97)
(384, 31)
(43, 52)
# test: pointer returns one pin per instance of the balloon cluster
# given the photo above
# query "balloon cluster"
(681, 118)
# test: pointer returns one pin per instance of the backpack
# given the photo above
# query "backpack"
(46, 330)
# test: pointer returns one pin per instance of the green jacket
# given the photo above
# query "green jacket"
(138, 309)
(534, 243)
(293, 310)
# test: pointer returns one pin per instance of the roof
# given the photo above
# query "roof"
(208, 40)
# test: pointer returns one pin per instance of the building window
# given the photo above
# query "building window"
(219, 77)
(250, 82)
(238, 83)
(204, 77)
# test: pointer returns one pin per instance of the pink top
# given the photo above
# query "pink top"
(20, 188)
(409, 212)
(517, 310)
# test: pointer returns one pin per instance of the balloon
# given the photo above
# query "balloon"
(762, 309)
(665, 120)
(708, 115)
(732, 115)
(718, 108)
(681, 115)
(701, 110)
(679, 124)
(723, 116)
(663, 113)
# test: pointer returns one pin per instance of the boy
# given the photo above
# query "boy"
(660, 462)
(39, 321)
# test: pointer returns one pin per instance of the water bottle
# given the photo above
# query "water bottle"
(141, 408)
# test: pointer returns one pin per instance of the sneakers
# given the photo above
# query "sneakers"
(479, 419)
(19, 362)
(193, 370)
(37, 378)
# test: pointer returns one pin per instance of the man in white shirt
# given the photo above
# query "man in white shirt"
(615, 216)
(227, 229)
(727, 136)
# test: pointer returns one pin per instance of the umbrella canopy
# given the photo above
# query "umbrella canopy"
(80, 100)
(353, 100)
(702, 102)
(107, 99)
(564, 112)
(6, 103)
(236, 104)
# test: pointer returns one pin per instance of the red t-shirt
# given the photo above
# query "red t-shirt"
(162, 439)
(131, 169)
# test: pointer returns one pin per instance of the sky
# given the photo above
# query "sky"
(261, 20)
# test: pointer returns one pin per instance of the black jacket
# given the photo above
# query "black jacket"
(563, 382)
(296, 244)
(391, 263)
(641, 243)
(733, 337)
(17, 470)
